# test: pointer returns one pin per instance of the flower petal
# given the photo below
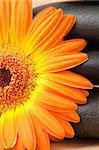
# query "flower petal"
(73, 94)
(70, 79)
(54, 139)
(55, 103)
(71, 116)
(19, 24)
(62, 29)
(60, 62)
(23, 20)
(41, 137)
(25, 128)
(4, 21)
(47, 26)
(9, 131)
(1, 139)
(38, 19)
(47, 121)
(19, 145)
(13, 36)
(74, 45)
(69, 131)
(85, 92)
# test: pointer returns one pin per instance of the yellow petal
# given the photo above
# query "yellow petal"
(1, 139)
(25, 128)
(9, 131)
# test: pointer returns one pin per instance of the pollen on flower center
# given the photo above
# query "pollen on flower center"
(14, 80)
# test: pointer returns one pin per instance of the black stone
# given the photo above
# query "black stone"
(90, 69)
(89, 113)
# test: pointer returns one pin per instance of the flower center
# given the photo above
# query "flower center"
(5, 77)
(15, 80)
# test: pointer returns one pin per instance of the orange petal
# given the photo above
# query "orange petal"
(55, 103)
(85, 92)
(48, 122)
(19, 24)
(41, 137)
(23, 20)
(42, 15)
(13, 37)
(69, 131)
(47, 27)
(9, 131)
(68, 92)
(70, 79)
(25, 128)
(74, 45)
(54, 139)
(19, 145)
(71, 116)
(4, 21)
(60, 62)
(38, 19)
(62, 29)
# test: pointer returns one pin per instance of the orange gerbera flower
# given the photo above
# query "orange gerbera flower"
(37, 96)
